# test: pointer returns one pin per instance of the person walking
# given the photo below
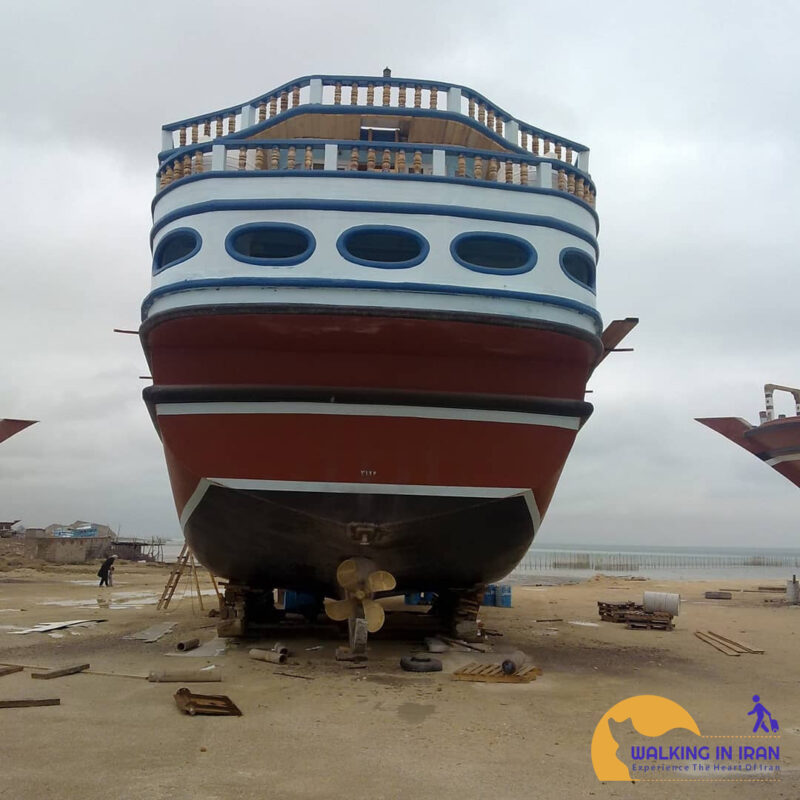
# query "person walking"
(105, 570)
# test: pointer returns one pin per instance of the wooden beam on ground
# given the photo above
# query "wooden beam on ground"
(52, 701)
(10, 670)
(60, 673)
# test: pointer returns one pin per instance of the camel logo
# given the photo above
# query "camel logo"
(649, 715)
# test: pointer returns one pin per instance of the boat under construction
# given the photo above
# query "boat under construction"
(775, 440)
(370, 329)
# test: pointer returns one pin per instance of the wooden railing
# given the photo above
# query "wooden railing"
(310, 155)
(378, 93)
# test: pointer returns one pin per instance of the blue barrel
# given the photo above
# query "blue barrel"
(413, 598)
(490, 595)
(427, 598)
(296, 601)
(503, 596)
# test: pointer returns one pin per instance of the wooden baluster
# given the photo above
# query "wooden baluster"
(591, 198)
(354, 94)
(471, 108)
(182, 137)
(168, 176)
(559, 151)
(242, 158)
(162, 179)
(231, 123)
(370, 159)
(523, 173)
(262, 111)
(387, 94)
(580, 188)
(461, 166)
(370, 94)
(509, 172)
(220, 132)
(569, 155)
(177, 169)
(571, 183)
(284, 100)
(198, 162)
(536, 144)
(491, 175)
(562, 180)
(337, 94)
(291, 158)
(434, 95)
(547, 145)
(498, 126)
(386, 162)
(308, 161)
(400, 161)
(274, 158)
(416, 167)
(490, 119)
(417, 96)
(187, 165)
(259, 165)
(295, 97)
(354, 160)
(273, 106)
(401, 96)
(477, 169)
(524, 140)
(482, 113)
(207, 128)
(195, 133)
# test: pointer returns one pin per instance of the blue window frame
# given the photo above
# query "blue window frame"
(272, 244)
(176, 247)
(383, 246)
(494, 253)
(579, 267)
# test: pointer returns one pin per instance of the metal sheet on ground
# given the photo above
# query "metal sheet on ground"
(153, 633)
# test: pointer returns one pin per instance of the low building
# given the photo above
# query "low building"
(69, 544)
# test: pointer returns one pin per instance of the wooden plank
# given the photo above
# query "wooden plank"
(52, 701)
(60, 673)
(716, 645)
(493, 673)
(10, 670)
(744, 647)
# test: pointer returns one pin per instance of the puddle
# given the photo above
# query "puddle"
(415, 713)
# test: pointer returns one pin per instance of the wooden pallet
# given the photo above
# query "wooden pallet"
(493, 673)
(615, 612)
(653, 620)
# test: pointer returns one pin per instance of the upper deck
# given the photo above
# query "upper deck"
(386, 126)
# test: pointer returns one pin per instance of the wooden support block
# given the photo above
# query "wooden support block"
(51, 701)
(59, 673)
(185, 676)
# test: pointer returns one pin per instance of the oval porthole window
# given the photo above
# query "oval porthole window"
(496, 253)
(383, 246)
(175, 247)
(578, 266)
(270, 243)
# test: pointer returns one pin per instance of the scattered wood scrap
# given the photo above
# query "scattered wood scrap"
(50, 701)
(720, 595)
(59, 673)
(10, 670)
(213, 705)
(612, 612)
(729, 647)
(493, 673)
(649, 620)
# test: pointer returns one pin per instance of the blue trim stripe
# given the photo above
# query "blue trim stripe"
(367, 207)
(303, 173)
(339, 283)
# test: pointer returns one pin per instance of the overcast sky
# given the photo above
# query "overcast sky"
(691, 111)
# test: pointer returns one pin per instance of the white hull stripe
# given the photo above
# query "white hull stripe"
(363, 410)
(247, 484)
(780, 459)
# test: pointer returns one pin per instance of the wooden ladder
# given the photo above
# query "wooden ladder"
(185, 559)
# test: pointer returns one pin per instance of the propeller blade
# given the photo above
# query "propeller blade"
(340, 610)
(381, 581)
(374, 615)
(350, 573)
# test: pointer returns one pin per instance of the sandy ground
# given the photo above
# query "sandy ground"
(376, 732)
